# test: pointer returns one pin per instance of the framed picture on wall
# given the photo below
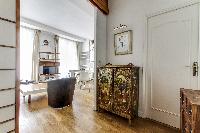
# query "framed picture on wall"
(123, 43)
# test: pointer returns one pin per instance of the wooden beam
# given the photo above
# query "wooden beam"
(102, 5)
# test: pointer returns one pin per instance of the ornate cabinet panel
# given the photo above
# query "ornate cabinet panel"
(122, 91)
(190, 111)
(118, 89)
(105, 81)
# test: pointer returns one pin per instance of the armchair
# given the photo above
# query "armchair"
(60, 92)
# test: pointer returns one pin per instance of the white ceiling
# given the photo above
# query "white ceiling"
(72, 16)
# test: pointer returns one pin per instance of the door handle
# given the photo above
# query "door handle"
(195, 68)
(187, 66)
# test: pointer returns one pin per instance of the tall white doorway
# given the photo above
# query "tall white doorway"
(173, 50)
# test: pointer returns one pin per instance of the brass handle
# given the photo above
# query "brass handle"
(195, 68)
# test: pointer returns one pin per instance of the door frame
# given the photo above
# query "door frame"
(146, 47)
(17, 73)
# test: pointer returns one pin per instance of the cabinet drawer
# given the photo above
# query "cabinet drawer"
(7, 113)
(7, 33)
(7, 127)
(8, 9)
(7, 79)
(7, 97)
(7, 58)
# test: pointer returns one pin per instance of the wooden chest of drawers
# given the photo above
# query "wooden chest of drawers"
(190, 111)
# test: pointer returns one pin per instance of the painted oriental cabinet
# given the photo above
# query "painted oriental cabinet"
(118, 90)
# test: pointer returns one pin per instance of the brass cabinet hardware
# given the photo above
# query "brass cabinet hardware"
(195, 68)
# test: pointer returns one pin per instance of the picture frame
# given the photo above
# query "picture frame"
(123, 42)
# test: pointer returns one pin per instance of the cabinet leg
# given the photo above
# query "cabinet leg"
(29, 98)
(98, 109)
(130, 122)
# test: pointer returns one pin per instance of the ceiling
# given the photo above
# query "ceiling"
(71, 16)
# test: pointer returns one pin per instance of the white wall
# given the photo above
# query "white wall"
(133, 13)
(100, 36)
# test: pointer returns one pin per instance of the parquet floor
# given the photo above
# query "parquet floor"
(37, 117)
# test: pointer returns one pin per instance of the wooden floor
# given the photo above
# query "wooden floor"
(37, 117)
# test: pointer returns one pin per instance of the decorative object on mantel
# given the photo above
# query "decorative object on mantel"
(46, 42)
(121, 26)
(102, 5)
(123, 43)
(118, 90)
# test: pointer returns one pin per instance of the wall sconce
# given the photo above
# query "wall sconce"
(121, 26)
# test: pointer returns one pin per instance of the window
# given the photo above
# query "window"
(26, 50)
(68, 56)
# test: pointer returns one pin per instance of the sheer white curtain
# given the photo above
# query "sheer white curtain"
(35, 56)
(68, 56)
(26, 50)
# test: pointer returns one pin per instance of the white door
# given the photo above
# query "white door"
(172, 49)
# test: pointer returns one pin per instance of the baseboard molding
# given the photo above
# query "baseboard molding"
(141, 114)
(166, 125)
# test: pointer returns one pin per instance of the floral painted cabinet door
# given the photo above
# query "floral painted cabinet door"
(123, 92)
(105, 81)
(118, 89)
